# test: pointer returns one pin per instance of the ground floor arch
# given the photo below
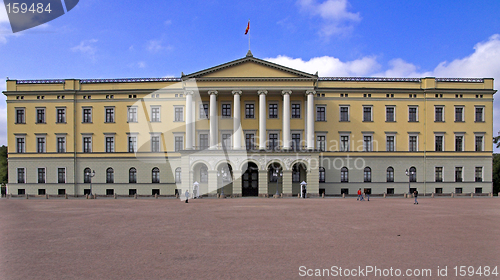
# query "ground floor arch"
(250, 179)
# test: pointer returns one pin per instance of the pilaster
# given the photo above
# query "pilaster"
(287, 182)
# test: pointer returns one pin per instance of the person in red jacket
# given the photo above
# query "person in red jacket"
(360, 195)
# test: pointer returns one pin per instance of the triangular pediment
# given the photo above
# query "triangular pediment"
(250, 68)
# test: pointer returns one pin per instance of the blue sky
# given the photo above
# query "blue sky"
(116, 39)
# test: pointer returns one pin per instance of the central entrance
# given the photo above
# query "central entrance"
(250, 180)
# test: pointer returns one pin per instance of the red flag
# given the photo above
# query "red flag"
(248, 28)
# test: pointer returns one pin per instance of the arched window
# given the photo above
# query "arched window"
(178, 175)
(321, 174)
(132, 175)
(344, 175)
(367, 174)
(86, 175)
(110, 175)
(204, 174)
(390, 174)
(155, 175)
(413, 174)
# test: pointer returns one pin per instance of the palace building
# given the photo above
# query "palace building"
(250, 127)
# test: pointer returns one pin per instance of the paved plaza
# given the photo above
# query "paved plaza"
(245, 238)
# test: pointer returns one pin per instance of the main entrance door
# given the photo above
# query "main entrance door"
(251, 181)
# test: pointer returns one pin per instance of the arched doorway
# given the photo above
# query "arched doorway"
(299, 174)
(250, 180)
(275, 176)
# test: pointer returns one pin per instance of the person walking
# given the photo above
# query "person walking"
(187, 195)
(367, 193)
(415, 194)
(360, 195)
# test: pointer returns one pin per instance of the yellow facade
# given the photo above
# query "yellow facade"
(250, 75)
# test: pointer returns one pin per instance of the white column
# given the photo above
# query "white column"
(236, 121)
(262, 119)
(310, 119)
(213, 119)
(193, 127)
(286, 119)
(189, 120)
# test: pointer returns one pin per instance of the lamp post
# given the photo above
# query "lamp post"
(409, 174)
(277, 174)
(91, 175)
(223, 174)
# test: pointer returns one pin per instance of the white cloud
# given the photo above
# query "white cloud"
(140, 64)
(334, 14)
(330, 66)
(154, 46)
(86, 47)
(4, 24)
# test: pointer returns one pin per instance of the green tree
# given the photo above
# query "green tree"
(496, 140)
(3, 165)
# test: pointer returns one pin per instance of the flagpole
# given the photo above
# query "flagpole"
(249, 36)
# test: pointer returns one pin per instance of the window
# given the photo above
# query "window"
(155, 144)
(413, 143)
(479, 114)
(40, 145)
(61, 175)
(110, 115)
(41, 191)
(40, 115)
(273, 111)
(344, 175)
(367, 175)
(20, 115)
(458, 174)
(479, 143)
(321, 142)
(344, 113)
(322, 174)
(132, 114)
(458, 190)
(61, 191)
(295, 111)
(110, 144)
(413, 174)
(179, 143)
(296, 173)
(110, 191)
(61, 144)
(204, 141)
(20, 147)
(249, 141)
(132, 144)
(226, 140)
(87, 144)
(390, 190)
(389, 141)
(439, 190)
(479, 174)
(21, 178)
(296, 141)
(367, 143)
(132, 175)
(438, 174)
(110, 175)
(459, 143)
(459, 114)
(344, 143)
(204, 174)
(250, 111)
(61, 115)
(155, 175)
(179, 114)
(204, 111)
(178, 175)
(412, 114)
(438, 143)
(86, 175)
(321, 114)
(86, 115)
(226, 110)
(389, 114)
(155, 114)
(390, 174)
(367, 113)
(41, 175)
(273, 141)
(439, 114)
